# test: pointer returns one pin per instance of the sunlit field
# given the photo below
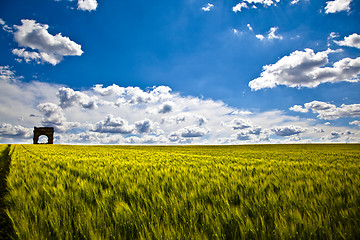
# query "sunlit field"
(183, 192)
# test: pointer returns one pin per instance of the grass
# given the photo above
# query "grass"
(184, 192)
(5, 223)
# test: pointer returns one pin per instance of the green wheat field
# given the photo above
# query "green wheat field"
(307, 191)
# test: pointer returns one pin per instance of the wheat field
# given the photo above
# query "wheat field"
(183, 192)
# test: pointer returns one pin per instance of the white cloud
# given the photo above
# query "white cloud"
(110, 90)
(288, 130)
(68, 98)
(340, 136)
(264, 2)
(333, 35)
(5, 27)
(270, 34)
(337, 6)
(28, 56)
(249, 27)
(252, 4)
(9, 131)
(127, 115)
(240, 124)
(306, 69)
(239, 6)
(46, 47)
(113, 124)
(351, 41)
(208, 7)
(188, 133)
(356, 123)
(87, 5)
(7, 75)
(184, 118)
(54, 117)
(299, 108)
(260, 36)
(134, 95)
(330, 111)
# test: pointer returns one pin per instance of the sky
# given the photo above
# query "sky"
(180, 72)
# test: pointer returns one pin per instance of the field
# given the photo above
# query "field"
(182, 192)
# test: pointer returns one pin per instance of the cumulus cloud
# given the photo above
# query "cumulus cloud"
(260, 36)
(130, 115)
(7, 74)
(337, 6)
(329, 111)
(135, 95)
(288, 130)
(263, 2)
(192, 132)
(239, 6)
(113, 124)
(240, 124)
(27, 55)
(54, 117)
(299, 108)
(306, 69)
(351, 41)
(110, 90)
(45, 47)
(248, 133)
(356, 123)
(87, 5)
(19, 100)
(7, 130)
(340, 136)
(253, 3)
(208, 7)
(144, 126)
(68, 98)
(243, 136)
(188, 132)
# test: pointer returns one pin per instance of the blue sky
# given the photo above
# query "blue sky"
(171, 72)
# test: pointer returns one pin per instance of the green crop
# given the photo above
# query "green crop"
(184, 192)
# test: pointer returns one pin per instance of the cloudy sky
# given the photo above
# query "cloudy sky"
(180, 72)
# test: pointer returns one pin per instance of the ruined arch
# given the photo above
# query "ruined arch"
(47, 131)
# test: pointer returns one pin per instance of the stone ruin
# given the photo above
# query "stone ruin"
(47, 131)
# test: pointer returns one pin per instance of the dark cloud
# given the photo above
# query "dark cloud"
(144, 126)
(112, 124)
(288, 130)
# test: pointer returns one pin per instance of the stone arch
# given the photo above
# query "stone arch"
(47, 131)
